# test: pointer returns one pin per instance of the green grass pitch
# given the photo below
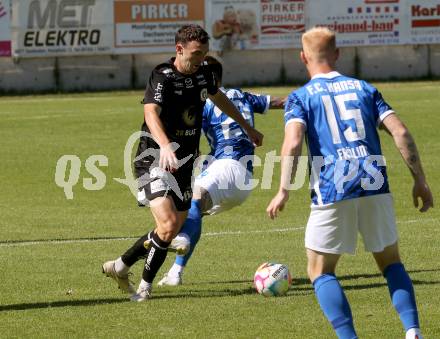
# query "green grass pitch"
(55, 289)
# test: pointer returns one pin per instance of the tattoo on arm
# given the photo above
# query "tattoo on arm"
(413, 159)
(412, 148)
(411, 156)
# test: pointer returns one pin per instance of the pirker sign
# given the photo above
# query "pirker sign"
(62, 27)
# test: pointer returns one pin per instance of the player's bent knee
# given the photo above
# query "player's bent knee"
(168, 229)
(166, 235)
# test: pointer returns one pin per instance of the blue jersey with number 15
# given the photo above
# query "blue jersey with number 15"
(225, 136)
(341, 115)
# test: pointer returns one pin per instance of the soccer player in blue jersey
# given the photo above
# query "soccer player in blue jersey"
(221, 186)
(339, 117)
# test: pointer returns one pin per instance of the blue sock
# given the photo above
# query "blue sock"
(402, 295)
(335, 305)
(193, 228)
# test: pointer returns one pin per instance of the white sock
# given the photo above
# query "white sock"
(176, 270)
(413, 333)
(145, 285)
(120, 267)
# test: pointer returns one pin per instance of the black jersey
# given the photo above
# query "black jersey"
(182, 98)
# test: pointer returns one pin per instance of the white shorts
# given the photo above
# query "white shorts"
(333, 228)
(225, 180)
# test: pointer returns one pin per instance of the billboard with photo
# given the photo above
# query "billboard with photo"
(254, 24)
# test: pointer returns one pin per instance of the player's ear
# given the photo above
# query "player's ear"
(336, 54)
(303, 58)
(179, 49)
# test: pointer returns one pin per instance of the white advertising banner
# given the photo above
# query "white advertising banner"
(282, 23)
(82, 27)
(143, 26)
(254, 24)
(360, 22)
(62, 27)
(5, 32)
(423, 21)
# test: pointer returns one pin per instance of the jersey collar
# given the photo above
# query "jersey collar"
(329, 75)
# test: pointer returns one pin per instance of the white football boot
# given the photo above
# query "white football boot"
(413, 333)
(171, 280)
(142, 294)
(124, 284)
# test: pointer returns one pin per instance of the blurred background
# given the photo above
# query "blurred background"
(80, 45)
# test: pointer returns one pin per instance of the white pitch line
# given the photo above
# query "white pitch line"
(207, 234)
(275, 230)
(66, 241)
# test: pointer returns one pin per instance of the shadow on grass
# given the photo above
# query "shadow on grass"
(378, 275)
(296, 281)
(384, 284)
(63, 303)
(300, 286)
(306, 281)
(227, 292)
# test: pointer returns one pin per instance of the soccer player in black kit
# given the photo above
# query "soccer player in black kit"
(173, 106)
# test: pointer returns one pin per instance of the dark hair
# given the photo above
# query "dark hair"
(189, 33)
(215, 66)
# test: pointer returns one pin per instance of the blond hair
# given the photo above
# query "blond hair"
(319, 44)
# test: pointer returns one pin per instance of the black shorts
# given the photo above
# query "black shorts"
(154, 182)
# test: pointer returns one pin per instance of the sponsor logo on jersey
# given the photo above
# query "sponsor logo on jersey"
(203, 94)
(200, 76)
(158, 92)
(189, 116)
(177, 84)
(188, 83)
(186, 132)
(178, 92)
(169, 73)
(202, 82)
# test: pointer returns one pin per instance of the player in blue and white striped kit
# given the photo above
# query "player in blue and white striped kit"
(224, 183)
(339, 117)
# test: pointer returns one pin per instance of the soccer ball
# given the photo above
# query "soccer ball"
(272, 279)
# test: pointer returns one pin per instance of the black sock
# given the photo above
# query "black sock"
(137, 251)
(157, 252)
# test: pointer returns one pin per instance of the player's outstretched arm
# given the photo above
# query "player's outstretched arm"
(168, 160)
(277, 102)
(290, 153)
(226, 106)
(408, 149)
